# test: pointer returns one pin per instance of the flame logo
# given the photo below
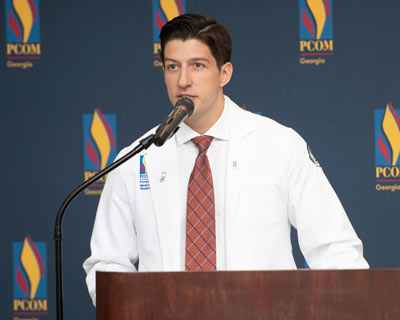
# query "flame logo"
(170, 9)
(143, 167)
(103, 137)
(320, 11)
(391, 130)
(26, 16)
(32, 268)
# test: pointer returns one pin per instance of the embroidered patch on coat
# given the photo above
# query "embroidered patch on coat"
(144, 178)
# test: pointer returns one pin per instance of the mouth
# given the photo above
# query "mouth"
(188, 96)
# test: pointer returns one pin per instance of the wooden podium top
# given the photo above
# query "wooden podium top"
(298, 294)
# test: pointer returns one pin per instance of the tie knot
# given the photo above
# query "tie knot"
(202, 143)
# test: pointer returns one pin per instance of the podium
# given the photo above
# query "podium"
(247, 295)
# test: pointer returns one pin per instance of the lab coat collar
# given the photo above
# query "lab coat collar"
(220, 129)
(239, 156)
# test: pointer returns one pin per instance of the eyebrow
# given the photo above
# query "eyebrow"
(192, 59)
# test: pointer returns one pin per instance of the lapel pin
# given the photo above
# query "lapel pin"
(163, 175)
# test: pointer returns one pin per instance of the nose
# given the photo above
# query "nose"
(184, 78)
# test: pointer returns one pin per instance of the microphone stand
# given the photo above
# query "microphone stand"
(143, 144)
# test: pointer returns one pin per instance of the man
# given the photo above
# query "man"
(258, 179)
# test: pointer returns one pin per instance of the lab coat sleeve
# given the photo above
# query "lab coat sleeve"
(113, 243)
(326, 236)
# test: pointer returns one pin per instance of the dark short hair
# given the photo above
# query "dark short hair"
(202, 28)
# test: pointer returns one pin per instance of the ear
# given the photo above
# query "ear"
(225, 74)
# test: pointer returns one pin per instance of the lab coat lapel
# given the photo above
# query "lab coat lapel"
(238, 160)
(235, 172)
(163, 174)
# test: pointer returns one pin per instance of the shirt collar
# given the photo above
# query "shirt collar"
(220, 129)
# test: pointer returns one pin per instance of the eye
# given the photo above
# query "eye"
(198, 65)
(172, 67)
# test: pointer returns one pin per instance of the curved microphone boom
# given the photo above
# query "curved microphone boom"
(183, 109)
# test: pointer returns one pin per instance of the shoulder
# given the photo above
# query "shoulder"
(263, 128)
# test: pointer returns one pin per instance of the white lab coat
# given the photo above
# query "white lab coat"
(271, 184)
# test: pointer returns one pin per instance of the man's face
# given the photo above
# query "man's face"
(191, 70)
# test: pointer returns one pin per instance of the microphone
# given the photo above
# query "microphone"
(183, 109)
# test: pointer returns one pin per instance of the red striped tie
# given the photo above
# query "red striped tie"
(200, 213)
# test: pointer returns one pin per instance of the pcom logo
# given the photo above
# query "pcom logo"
(30, 278)
(100, 148)
(23, 32)
(387, 148)
(164, 11)
(144, 178)
(316, 31)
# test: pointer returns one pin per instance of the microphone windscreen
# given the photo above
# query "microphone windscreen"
(187, 103)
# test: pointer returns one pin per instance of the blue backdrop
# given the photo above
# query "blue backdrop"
(60, 61)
